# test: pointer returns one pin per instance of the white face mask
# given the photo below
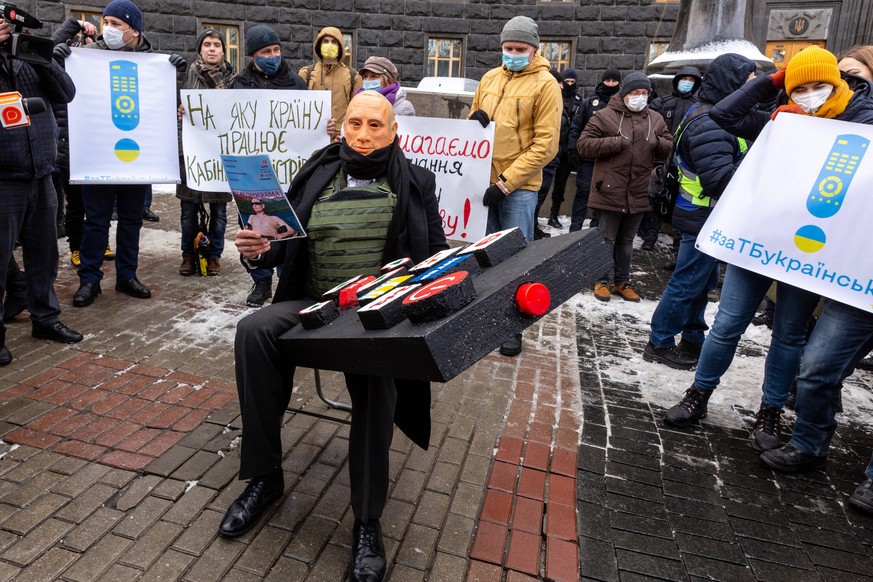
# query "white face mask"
(811, 101)
(637, 103)
(114, 38)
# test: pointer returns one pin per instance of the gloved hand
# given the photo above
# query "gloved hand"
(790, 108)
(493, 195)
(180, 63)
(61, 51)
(480, 116)
(778, 78)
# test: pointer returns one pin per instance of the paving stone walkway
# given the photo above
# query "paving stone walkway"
(119, 457)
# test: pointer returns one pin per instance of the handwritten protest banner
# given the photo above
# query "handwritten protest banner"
(286, 125)
(806, 223)
(459, 153)
(123, 119)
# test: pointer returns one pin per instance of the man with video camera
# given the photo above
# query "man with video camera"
(28, 203)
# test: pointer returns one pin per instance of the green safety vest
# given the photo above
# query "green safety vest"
(347, 230)
(689, 183)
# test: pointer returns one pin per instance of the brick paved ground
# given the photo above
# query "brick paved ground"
(119, 457)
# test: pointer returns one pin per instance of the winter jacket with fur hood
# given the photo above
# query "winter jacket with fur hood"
(526, 108)
(625, 146)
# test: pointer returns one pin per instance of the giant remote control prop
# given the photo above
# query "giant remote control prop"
(433, 320)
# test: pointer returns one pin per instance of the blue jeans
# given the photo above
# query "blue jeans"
(741, 294)
(517, 209)
(683, 304)
(98, 201)
(217, 228)
(842, 336)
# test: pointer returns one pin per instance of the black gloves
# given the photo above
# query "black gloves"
(180, 63)
(482, 117)
(61, 52)
(493, 195)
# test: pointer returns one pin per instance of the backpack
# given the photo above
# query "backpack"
(664, 184)
(308, 78)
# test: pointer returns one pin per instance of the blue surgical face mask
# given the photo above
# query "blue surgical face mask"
(269, 64)
(515, 62)
(372, 84)
(685, 86)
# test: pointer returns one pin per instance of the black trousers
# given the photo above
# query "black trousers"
(264, 381)
(27, 213)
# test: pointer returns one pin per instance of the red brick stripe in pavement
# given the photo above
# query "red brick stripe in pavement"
(526, 528)
(114, 412)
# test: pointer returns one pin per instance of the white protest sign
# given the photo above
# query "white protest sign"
(286, 125)
(459, 153)
(123, 119)
(799, 209)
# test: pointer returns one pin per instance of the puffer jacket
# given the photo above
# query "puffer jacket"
(625, 146)
(402, 105)
(526, 108)
(674, 107)
(709, 151)
(334, 77)
(30, 152)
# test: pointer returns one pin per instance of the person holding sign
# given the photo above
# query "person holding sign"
(331, 73)
(368, 166)
(122, 32)
(266, 70)
(812, 86)
(525, 103)
(209, 71)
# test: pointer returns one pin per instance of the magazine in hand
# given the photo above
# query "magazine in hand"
(259, 198)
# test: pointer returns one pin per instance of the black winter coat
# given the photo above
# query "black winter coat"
(587, 108)
(674, 107)
(251, 78)
(65, 32)
(707, 149)
(30, 152)
(422, 236)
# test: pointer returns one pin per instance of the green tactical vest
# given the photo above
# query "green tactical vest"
(689, 183)
(347, 231)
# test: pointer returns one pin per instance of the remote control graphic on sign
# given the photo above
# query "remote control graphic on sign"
(836, 175)
(124, 82)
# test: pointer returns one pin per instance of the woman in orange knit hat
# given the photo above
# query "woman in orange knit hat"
(812, 86)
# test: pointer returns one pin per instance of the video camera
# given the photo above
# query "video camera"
(26, 47)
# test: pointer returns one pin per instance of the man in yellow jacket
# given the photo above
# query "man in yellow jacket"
(523, 100)
(330, 73)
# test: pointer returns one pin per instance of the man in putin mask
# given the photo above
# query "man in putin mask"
(368, 160)
(28, 203)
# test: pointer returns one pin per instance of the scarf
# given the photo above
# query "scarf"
(389, 92)
(212, 77)
(836, 103)
(388, 161)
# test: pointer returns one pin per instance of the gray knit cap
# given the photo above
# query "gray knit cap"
(521, 29)
(635, 80)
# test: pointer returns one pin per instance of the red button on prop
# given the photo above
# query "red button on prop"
(533, 298)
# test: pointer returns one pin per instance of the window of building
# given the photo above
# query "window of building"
(657, 46)
(95, 17)
(348, 48)
(558, 52)
(445, 57)
(231, 41)
(667, 1)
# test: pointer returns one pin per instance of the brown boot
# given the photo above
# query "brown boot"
(187, 268)
(601, 291)
(213, 266)
(624, 291)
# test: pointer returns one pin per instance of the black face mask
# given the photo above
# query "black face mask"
(610, 91)
(364, 167)
(569, 90)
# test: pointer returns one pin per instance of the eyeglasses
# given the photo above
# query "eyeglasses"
(257, 203)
